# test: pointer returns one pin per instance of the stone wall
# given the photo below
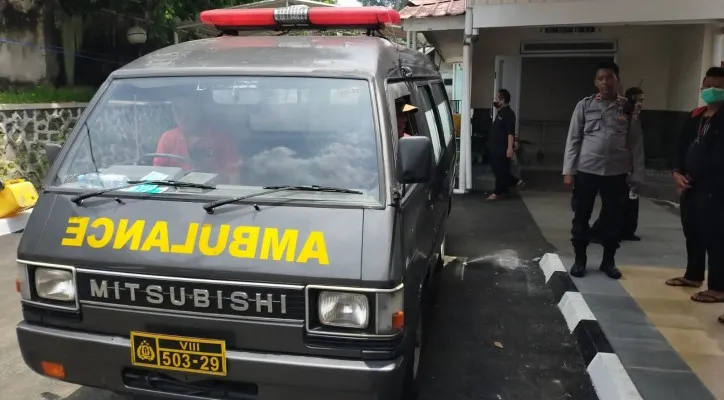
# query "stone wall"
(24, 129)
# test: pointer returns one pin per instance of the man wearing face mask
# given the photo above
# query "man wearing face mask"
(501, 144)
(604, 154)
(698, 171)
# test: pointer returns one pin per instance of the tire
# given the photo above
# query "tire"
(411, 388)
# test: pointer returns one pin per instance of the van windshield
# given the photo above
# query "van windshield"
(238, 133)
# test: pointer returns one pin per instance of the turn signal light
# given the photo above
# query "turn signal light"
(53, 370)
(17, 285)
(398, 320)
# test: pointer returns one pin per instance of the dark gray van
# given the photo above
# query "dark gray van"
(236, 218)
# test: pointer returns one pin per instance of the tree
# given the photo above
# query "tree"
(159, 16)
(396, 4)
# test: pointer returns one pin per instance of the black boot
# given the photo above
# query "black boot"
(579, 265)
(608, 264)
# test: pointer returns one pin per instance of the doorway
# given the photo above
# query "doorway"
(550, 88)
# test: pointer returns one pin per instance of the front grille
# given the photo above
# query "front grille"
(191, 296)
(199, 388)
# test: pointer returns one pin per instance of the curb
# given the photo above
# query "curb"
(14, 224)
(609, 377)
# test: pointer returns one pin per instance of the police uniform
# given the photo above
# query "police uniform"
(604, 149)
(700, 157)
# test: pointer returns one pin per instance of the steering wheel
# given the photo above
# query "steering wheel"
(162, 155)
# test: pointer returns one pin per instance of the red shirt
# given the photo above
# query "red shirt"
(217, 152)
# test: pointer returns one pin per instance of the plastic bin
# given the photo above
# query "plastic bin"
(16, 195)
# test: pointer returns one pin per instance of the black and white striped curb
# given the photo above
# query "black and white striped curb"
(609, 378)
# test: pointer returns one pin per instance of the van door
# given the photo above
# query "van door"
(442, 104)
(438, 193)
(415, 228)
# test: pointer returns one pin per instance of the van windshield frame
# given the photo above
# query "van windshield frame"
(332, 121)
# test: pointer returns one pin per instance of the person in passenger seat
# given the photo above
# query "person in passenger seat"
(206, 149)
(404, 112)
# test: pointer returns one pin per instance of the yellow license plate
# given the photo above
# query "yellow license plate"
(177, 353)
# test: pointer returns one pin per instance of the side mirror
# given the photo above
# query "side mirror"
(51, 152)
(414, 159)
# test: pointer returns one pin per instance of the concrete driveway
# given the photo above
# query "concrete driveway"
(17, 380)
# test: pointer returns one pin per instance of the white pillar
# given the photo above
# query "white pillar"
(465, 161)
(413, 43)
(718, 43)
(468, 88)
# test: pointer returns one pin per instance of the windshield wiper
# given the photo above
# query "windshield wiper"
(273, 189)
(78, 199)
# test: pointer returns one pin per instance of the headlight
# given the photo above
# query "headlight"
(345, 310)
(54, 284)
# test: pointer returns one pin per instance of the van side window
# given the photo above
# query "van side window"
(432, 120)
(443, 109)
(405, 117)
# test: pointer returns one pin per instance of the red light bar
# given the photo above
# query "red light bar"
(369, 17)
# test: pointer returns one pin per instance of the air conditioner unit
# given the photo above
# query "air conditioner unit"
(568, 46)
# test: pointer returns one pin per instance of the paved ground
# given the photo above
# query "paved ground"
(671, 347)
(497, 333)
(500, 335)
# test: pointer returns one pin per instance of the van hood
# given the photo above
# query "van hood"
(291, 244)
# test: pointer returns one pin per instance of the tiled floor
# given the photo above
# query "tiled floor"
(672, 347)
(691, 328)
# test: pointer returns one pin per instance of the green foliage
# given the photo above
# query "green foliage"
(396, 4)
(159, 16)
(47, 94)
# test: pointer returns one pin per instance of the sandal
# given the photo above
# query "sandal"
(704, 297)
(683, 282)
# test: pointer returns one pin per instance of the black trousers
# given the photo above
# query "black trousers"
(504, 179)
(612, 190)
(703, 224)
(629, 219)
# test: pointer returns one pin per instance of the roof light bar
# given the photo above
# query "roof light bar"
(301, 16)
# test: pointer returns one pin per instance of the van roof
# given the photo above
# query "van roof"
(350, 56)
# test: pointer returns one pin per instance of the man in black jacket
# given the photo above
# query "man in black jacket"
(501, 144)
(699, 176)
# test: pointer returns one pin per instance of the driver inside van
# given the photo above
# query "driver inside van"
(202, 148)
(404, 113)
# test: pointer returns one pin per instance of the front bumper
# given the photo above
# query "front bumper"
(99, 361)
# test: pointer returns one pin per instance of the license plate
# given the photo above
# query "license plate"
(178, 353)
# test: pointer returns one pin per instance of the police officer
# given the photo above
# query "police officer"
(604, 154)
(501, 144)
(698, 171)
(630, 214)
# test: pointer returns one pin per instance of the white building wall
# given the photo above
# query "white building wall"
(689, 54)
(503, 13)
(668, 59)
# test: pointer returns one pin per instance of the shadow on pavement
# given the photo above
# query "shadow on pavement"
(497, 334)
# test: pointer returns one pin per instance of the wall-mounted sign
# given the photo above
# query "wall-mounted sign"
(569, 29)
